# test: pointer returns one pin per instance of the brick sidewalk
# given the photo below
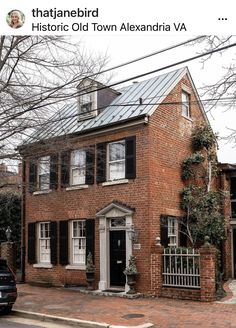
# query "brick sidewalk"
(164, 313)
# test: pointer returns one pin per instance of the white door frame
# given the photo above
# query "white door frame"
(112, 211)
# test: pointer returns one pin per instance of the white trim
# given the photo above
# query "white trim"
(42, 265)
(77, 187)
(105, 215)
(118, 126)
(41, 192)
(115, 182)
(75, 267)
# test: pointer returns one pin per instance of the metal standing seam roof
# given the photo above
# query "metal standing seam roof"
(125, 107)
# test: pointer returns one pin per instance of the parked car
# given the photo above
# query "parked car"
(8, 290)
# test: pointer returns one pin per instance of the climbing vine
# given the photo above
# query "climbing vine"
(199, 200)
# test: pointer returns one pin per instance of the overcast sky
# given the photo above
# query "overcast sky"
(122, 48)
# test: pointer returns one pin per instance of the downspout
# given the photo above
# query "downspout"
(22, 280)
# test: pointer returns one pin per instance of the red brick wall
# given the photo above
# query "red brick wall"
(161, 146)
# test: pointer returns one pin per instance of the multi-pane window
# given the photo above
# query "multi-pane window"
(78, 167)
(172, 231)
(116, 160)
(185, 104)
(44, 243)
(85, 103)
(78, 242)
(44, 173)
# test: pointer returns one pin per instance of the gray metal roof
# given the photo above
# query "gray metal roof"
(125, 107)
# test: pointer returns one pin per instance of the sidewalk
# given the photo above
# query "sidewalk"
(161, 312)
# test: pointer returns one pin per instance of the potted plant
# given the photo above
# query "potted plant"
(131, 273)
(90, 271)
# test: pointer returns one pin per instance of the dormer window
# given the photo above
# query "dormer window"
(87, 100)
(86, 103)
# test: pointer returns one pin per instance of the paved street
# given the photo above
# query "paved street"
(164, 313)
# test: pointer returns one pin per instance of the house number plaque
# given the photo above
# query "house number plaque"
(136, 246)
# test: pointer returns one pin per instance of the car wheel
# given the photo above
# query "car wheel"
(7, 309)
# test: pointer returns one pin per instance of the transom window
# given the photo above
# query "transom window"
(116, 160)
(185, 104)
(172, 231)
(78, 167)
(44, 173)
(44, 243)
(78, 242)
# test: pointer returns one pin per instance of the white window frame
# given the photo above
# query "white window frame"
(44, 243)
(44, 170)
(185, 96)
(112, 162)
(78, 243)
(172, 231)
(86, 103)
(76, 167)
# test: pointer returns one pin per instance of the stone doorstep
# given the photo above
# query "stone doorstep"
(106, 293)
(71, 322)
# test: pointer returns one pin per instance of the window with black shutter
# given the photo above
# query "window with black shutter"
(32, 175)
(63, 243)
(130, 157)
(53, 242)
(32, 243)
(54, 171)
(90, 237)
(65, 168)
(101, 162)
(89, 177)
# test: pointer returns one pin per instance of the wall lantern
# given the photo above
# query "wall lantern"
(8, 233)
(133, 233)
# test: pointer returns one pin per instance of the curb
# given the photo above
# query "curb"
(72, 322)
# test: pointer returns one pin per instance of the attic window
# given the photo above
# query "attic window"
(185, 104)
(87, 100)
(85, 103)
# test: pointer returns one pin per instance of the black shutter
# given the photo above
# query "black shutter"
(183, 238)
(65, 168)
(90, 237)
(31, 243)
(54, 171)
(130, 157)
(32, 175)
(164, 231)
(63, 235)
(101, 162)
(53, 242)
(89, 178)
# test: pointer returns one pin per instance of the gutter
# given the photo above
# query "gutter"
(142, 119)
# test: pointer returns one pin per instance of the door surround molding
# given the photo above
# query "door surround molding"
(112, 211)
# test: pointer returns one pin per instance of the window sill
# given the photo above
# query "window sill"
(75, 267)
(77, 187)
(42, 266)
(115, 182)
(42, 192)
(187, 118)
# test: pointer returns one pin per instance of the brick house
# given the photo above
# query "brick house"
(227, 183)
(103, 170)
